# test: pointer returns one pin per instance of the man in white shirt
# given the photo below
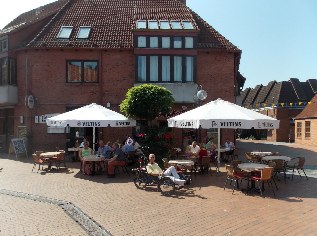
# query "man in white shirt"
(194, 150)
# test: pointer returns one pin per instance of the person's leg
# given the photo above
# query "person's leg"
(112, 165)
(171, 171)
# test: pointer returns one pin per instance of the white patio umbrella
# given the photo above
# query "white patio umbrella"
(222, 114)
(92, 115)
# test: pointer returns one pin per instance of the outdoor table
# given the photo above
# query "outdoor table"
(182, 162)
(76, 152)
(93, 159)
(272, 158)
(249, 167)
(188, 163)
(49, 155)
(261, 153)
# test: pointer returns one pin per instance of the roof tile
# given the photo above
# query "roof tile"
(113, 22)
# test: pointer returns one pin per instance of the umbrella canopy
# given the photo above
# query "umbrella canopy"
(223, 114)
(92, 115)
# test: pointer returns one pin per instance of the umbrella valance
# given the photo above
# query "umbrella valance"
(223, 114)
(92, 115)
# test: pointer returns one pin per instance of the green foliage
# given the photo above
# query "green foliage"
(158, 141)
(146, 102)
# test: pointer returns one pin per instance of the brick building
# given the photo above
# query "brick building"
(281, 100)
(72, 52)
(306, 124)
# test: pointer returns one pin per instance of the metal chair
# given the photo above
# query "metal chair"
(265, 177)
(298, 165)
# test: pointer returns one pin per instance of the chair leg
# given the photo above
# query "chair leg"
(270, 182)
(293, 173)
(275, 183)
(224, 188)
(305, 173)
(260, 187)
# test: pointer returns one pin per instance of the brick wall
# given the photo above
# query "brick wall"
(46, 80)
(312, 140)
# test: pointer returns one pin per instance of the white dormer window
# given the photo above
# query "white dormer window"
(84, 32)
(153, 24)
(188, 25)
(65, 32)
(164, 24)
(176, 24)
(141, 24)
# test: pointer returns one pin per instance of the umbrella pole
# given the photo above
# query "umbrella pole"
(93, 139)
(218, 157)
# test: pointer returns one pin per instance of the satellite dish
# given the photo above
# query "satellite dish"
(201, 94)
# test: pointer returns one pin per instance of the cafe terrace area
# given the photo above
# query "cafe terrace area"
(70, 203)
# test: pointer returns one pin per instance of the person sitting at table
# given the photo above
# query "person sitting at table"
(84, 152)
(193, 150)
(101, 148)
(229, 146)
(155, 170)
(118, 159)
(108, 150)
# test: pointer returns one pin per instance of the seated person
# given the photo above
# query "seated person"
(84, 152)
(107, 150)
(210, 144)
(154, 170)
(229, 146)
(118, 159)
(128, 147)
(202, 152)
(101, 148)
(193, 150)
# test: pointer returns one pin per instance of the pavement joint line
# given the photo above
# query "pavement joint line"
(74, 212)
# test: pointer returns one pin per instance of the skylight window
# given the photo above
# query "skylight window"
(164, 24)
(176, 25)
(188, 25)
(84, 32)
(65, 32)
(141, 24)
(153, 24)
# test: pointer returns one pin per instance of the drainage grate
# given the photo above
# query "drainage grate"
(80, 217)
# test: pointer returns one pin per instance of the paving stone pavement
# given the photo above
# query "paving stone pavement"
(204, 208)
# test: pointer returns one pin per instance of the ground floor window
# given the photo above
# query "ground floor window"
(307, 129)
(299, 129)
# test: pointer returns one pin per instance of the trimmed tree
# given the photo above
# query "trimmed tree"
(147, 102)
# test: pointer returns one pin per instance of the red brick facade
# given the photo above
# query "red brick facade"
(42, 63)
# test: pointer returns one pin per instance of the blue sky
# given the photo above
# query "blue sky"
(278, 38)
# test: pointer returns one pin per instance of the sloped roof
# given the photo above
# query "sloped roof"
(28, 18)
(264, 92)
(252, 95)
(112, 22)
(291, 91)
(310, 111)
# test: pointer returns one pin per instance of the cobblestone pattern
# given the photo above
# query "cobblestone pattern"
(86, 222)
(204, 208)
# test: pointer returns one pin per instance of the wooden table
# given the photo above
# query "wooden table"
(48, 156)
(93, 159)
